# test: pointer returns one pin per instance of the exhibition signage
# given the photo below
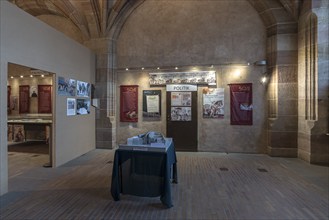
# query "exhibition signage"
(181, 88)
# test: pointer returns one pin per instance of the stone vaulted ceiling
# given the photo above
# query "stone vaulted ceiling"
(84, 20)
(81, 19)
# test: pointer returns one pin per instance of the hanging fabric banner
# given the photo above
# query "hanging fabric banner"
(129, 103)
(241, 103)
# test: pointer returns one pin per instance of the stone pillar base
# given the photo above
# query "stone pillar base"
(282, 152)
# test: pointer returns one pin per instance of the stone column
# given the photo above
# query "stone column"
(282, 90)
(105, 92)
(313, 77)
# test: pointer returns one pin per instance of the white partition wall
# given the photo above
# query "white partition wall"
(27, 41)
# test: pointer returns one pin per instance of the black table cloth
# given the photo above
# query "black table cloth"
(144, 173)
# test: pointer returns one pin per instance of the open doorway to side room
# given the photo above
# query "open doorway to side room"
(30, 109)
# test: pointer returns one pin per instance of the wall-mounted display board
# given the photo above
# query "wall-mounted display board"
(66, 86)
(83, 106)
(213, 103)
(197, 77)
(129, 103)
(44, 99)
(24, 99)
(151, 105)
(241, 103)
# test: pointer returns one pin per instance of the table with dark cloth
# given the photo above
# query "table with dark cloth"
(145, 173)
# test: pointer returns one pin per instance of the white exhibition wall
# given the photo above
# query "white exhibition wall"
(27, 41)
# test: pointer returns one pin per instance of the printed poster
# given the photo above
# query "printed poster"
(83, 106)
(71, 103)
(181, 98)
(181, 114)
(151, 105)
(66, 87)
(241, 104)
(213, 103)
(83, 89)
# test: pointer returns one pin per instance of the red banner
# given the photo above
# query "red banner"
(129, 103)
(241, 103)
(24, 99)
(44, 98)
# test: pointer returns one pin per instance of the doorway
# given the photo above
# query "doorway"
(29, 123)
(182, 119)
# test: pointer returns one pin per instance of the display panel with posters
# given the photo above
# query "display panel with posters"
(241, 104)
(71, 106)
(195, 77)
(151, 105)
(83, 106)
(83, 89)
(213, 103)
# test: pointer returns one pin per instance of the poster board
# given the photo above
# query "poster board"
(129, 103)
(241, 104)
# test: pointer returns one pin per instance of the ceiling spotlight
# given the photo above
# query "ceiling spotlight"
(158, 68)
(31, 76)
(127, 69)
(142, 68)
(42, 75)
(12, 77)
(176, 68)
(22, 76)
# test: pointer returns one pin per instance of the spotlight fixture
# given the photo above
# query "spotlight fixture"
(260, 63)
(263, 79)
(127, 69)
